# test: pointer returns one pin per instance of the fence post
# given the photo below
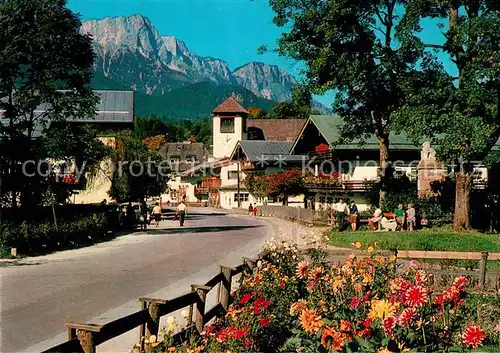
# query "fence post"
(142, 330)
(153, 323)
(225, 289)
(86, 339)
(482, 268)
(85, 334)
(200, 305)
(71, 333)
(249, 262)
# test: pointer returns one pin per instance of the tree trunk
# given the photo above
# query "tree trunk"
(385, 169)
(453, 16)
(461, 219)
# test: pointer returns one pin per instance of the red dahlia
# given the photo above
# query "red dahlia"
(415, 296)
(460, 282)
(245, 298)
(389, 323)
(264, 322)
(473, 336)
(406, 316)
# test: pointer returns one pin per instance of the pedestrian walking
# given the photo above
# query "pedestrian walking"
(182, 210)
(255, 210)
(250, 210)
(157, 214)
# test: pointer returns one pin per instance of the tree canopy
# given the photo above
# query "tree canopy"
(355, 48)
(455, 102)
(45, 71)
(139, 172)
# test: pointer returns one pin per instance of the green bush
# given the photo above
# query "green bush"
(35, 238)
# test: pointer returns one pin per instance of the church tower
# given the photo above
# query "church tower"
(229, 127)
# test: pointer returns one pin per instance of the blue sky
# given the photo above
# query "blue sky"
(231, 30)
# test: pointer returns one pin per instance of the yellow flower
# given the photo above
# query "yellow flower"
(392, 258)
(384, 350)
(380, 259)
(357, 244)
(370, 249)
(171, 349)
(381, 309)
(367, 279)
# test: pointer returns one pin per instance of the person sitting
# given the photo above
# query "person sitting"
(400, 215)
(375, 220)
(410, 217)
(387, 224)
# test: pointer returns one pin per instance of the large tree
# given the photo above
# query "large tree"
(350, 46)
(139, 172)
(456, 101)
(45, 72)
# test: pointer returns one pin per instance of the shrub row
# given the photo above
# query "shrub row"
(36, 238)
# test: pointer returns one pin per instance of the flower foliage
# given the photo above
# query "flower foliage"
(282, 185)
(292, 304)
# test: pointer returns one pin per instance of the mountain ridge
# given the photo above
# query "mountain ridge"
(130, 52)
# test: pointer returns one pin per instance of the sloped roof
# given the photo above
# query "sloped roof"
(112, 107)
(256, 150)
(182, 151)
(230, 105)
(278, 129)
(329, 126)
(214, 164)
(267, 152)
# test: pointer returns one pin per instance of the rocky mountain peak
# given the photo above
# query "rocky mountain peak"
(268, 81)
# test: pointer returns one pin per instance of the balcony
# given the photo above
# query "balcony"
(322, 184)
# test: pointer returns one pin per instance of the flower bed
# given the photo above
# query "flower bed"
(363, 305)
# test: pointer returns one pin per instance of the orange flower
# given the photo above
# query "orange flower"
(310, 321)
(332, 340)
(298, 307)
(303, 269)
(345, 326)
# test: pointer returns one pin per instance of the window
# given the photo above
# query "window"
(243, 197)
(232, 175)
(175, 159)
(191, 159)
(227, 125)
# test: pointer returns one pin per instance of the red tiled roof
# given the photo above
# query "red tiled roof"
(278, 129)
(230, 105)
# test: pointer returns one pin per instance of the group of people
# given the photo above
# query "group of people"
(405, 219)
(147, 217)
(252, 210)
(342, 212)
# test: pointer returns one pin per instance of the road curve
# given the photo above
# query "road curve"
(40, 294)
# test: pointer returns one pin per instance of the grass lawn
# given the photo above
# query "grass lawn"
(444, 239)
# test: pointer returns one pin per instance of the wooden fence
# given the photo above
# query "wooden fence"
(485, 280)
(83, 337)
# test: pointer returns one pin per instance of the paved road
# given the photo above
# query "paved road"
(39, 295)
